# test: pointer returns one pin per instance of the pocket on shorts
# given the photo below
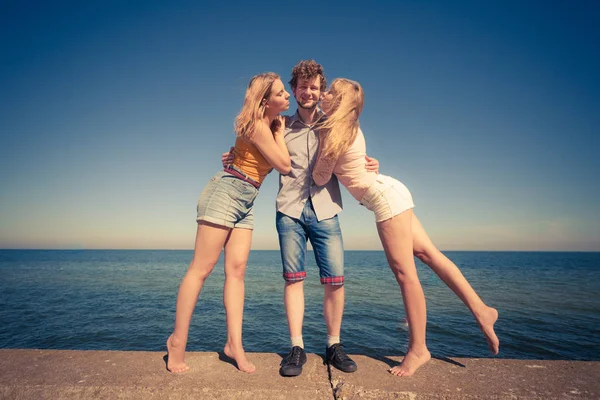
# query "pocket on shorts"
(402, 191)
(375, 191)
(242, 192)
(209, 188)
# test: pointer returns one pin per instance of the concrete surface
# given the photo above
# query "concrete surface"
(66, 374)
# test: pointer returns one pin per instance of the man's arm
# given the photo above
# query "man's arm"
(372, 164)
(227, 158)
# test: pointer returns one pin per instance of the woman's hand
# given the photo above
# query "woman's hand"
(271, 144)
(278, 125)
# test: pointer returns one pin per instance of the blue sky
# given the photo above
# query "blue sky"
(113, 115)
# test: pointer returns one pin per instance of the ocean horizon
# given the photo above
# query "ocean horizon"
(277, 249)
(93, 299)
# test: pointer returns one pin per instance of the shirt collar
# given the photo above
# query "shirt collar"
(296, 118)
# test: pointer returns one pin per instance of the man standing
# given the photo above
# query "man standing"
(305, 212)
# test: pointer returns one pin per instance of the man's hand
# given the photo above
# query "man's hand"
(227, 158)
(372, 164)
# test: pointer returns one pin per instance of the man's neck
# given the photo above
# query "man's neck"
(309, 117)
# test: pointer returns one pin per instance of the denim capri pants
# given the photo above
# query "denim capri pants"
(227, 201)
(326, 239)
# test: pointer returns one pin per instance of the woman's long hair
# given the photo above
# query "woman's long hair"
(253, 110)
(341, 125)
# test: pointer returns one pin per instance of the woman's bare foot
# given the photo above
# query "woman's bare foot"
(486, 321)
(413, 360)
(175, 355)
(239, 355)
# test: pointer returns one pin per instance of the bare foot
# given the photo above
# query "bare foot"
(175, 356)
(486, 321)
(239, 355)
(413, 360)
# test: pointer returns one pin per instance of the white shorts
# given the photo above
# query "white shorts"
(387, 197)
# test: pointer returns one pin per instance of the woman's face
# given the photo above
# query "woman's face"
(279, 99)
(327, 100)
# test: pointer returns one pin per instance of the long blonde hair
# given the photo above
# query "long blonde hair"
(253, 110)
(341, 125)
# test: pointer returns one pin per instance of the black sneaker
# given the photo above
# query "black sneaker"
(292, 364)
(337, 357)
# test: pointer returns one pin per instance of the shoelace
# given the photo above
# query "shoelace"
(295, 358)
(339, 353)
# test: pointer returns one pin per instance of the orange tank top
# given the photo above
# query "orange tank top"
(249, 160)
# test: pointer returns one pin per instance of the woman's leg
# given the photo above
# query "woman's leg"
(425, 250)
(209, 243)
(237, 249)
(395, 234)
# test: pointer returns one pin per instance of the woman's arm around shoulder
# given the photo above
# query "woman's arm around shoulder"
(272, 145)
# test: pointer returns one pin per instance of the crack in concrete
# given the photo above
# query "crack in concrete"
(336, 385)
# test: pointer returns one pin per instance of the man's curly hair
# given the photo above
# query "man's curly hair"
(307, 69)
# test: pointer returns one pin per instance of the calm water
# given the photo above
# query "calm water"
(549, 303)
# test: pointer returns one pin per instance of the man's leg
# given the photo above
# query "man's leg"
(292, 244)
(293, 298)
(333, 310)
(326, 239)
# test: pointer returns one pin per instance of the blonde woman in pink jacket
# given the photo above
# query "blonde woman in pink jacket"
(342, 152)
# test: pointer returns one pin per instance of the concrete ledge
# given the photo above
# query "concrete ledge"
(58, 374)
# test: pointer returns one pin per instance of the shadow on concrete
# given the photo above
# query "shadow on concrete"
(393, 363)
(226, 359)
(449, 361)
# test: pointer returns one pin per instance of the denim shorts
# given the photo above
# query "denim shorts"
(227, 201)
(387, 197)
(326, 239)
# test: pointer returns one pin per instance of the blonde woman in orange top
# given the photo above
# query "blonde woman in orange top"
(225, 218)
(342, 152)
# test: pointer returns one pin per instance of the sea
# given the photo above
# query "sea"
(549, 303)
